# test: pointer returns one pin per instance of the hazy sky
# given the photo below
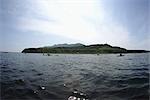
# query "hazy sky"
(35, 23)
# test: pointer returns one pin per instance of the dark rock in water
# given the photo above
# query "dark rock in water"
(35, 92)
(64, 85)
(76, 95)
(41, 87)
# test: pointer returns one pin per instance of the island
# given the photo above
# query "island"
(79, 48)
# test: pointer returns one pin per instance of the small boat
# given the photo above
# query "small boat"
(121, 55)
(48, 54)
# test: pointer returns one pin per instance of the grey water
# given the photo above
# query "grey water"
(100, 77)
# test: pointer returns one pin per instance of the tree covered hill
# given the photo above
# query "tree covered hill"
(81, 49)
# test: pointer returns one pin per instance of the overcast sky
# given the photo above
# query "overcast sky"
(36, 23)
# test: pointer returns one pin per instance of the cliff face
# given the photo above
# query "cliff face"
(81, 49)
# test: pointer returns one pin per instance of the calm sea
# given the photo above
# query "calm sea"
(100, 77)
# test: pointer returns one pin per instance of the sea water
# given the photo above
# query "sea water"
(100, 77)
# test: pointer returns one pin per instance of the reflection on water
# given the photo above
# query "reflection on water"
(55, 77)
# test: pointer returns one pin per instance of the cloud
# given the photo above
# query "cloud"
(81, 20)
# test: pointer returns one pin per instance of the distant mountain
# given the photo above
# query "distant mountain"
(79, 48)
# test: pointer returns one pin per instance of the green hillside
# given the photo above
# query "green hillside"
(81, 49)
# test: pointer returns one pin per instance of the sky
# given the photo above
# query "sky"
(38, 23)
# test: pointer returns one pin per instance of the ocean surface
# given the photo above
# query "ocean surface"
(100, 77)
